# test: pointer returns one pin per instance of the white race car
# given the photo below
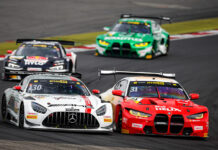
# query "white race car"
(56, 102)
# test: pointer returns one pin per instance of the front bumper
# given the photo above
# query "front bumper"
(120, 52)
(139, 125)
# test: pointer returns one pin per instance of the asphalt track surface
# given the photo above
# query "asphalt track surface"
(193, 60)
(45, 18)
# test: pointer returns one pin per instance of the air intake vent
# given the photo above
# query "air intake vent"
(74, 120)
(161, 123)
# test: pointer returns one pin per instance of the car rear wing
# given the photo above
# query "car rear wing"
(148, 17)
(44, 40)
(114, 72)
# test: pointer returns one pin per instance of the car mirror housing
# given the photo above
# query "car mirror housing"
(106, 28)
(95, 91)
(69, 54)
(194, 96)
(18, 88)
(117, 92)
(9, 51)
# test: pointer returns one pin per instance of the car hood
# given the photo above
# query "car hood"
(176, 106)
(127, 37)
(64, 101)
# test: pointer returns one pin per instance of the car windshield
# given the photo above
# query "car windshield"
(38, 50)
(131, 27)
(156, 89)
(51, 86)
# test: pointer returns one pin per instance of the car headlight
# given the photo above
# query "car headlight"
(142, 44)
(38, 108)
(101, 111)
(103, 43)
(196, 116)
(12, 65)
(139, 114)
(61, 67)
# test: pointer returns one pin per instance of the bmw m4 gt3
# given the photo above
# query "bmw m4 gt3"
(134, 36)
(39, 56)
(55, 102)
(155, 104)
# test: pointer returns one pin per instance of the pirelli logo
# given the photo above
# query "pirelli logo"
(31, 117)
(107, 120)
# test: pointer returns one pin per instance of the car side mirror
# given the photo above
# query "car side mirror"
(117, 92)
(95, 91)
(69, 54)
(194, 96)
(9, 51)
(17, 87)
(106, 28)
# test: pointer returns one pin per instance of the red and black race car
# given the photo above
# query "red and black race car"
(155, 104)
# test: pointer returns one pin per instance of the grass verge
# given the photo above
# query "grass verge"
(89, 38)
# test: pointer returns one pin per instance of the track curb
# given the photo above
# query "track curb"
(92, 47)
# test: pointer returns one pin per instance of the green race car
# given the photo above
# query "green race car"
(134, 36)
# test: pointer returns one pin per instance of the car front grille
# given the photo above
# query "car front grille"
(161, 123)
(175, 123)
(120, 50)
(74, 120)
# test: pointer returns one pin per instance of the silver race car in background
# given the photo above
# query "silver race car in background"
(55, 102)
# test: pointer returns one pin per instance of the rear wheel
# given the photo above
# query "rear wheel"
(119, 122)
(167, 46)
(3, 108)
(21, 116)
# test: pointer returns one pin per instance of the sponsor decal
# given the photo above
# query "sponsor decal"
(136, 125)
(31, 116)
(36, 58)
(107, 120)
(155, 82)
(58, 105)
(198, 128)
(34, 69)
(59, 81)
(35, 62)
(72, 109)
(16, 57)
(88, 104)
(164, 108)
(124, 120)
(124, 38)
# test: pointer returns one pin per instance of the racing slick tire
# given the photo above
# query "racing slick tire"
(3, 108)
(167, 46)
(21, 116)
(119, 122)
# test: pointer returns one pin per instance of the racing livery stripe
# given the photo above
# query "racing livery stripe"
(88, 104)
(73, 79)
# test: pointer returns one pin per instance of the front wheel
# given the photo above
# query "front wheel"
(119, 122)
(21, 116)
(167, 46)
(3, 108)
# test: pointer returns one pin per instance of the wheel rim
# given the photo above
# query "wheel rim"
(3, 107)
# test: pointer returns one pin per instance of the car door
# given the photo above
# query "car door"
(156, 30)
(116, 100)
